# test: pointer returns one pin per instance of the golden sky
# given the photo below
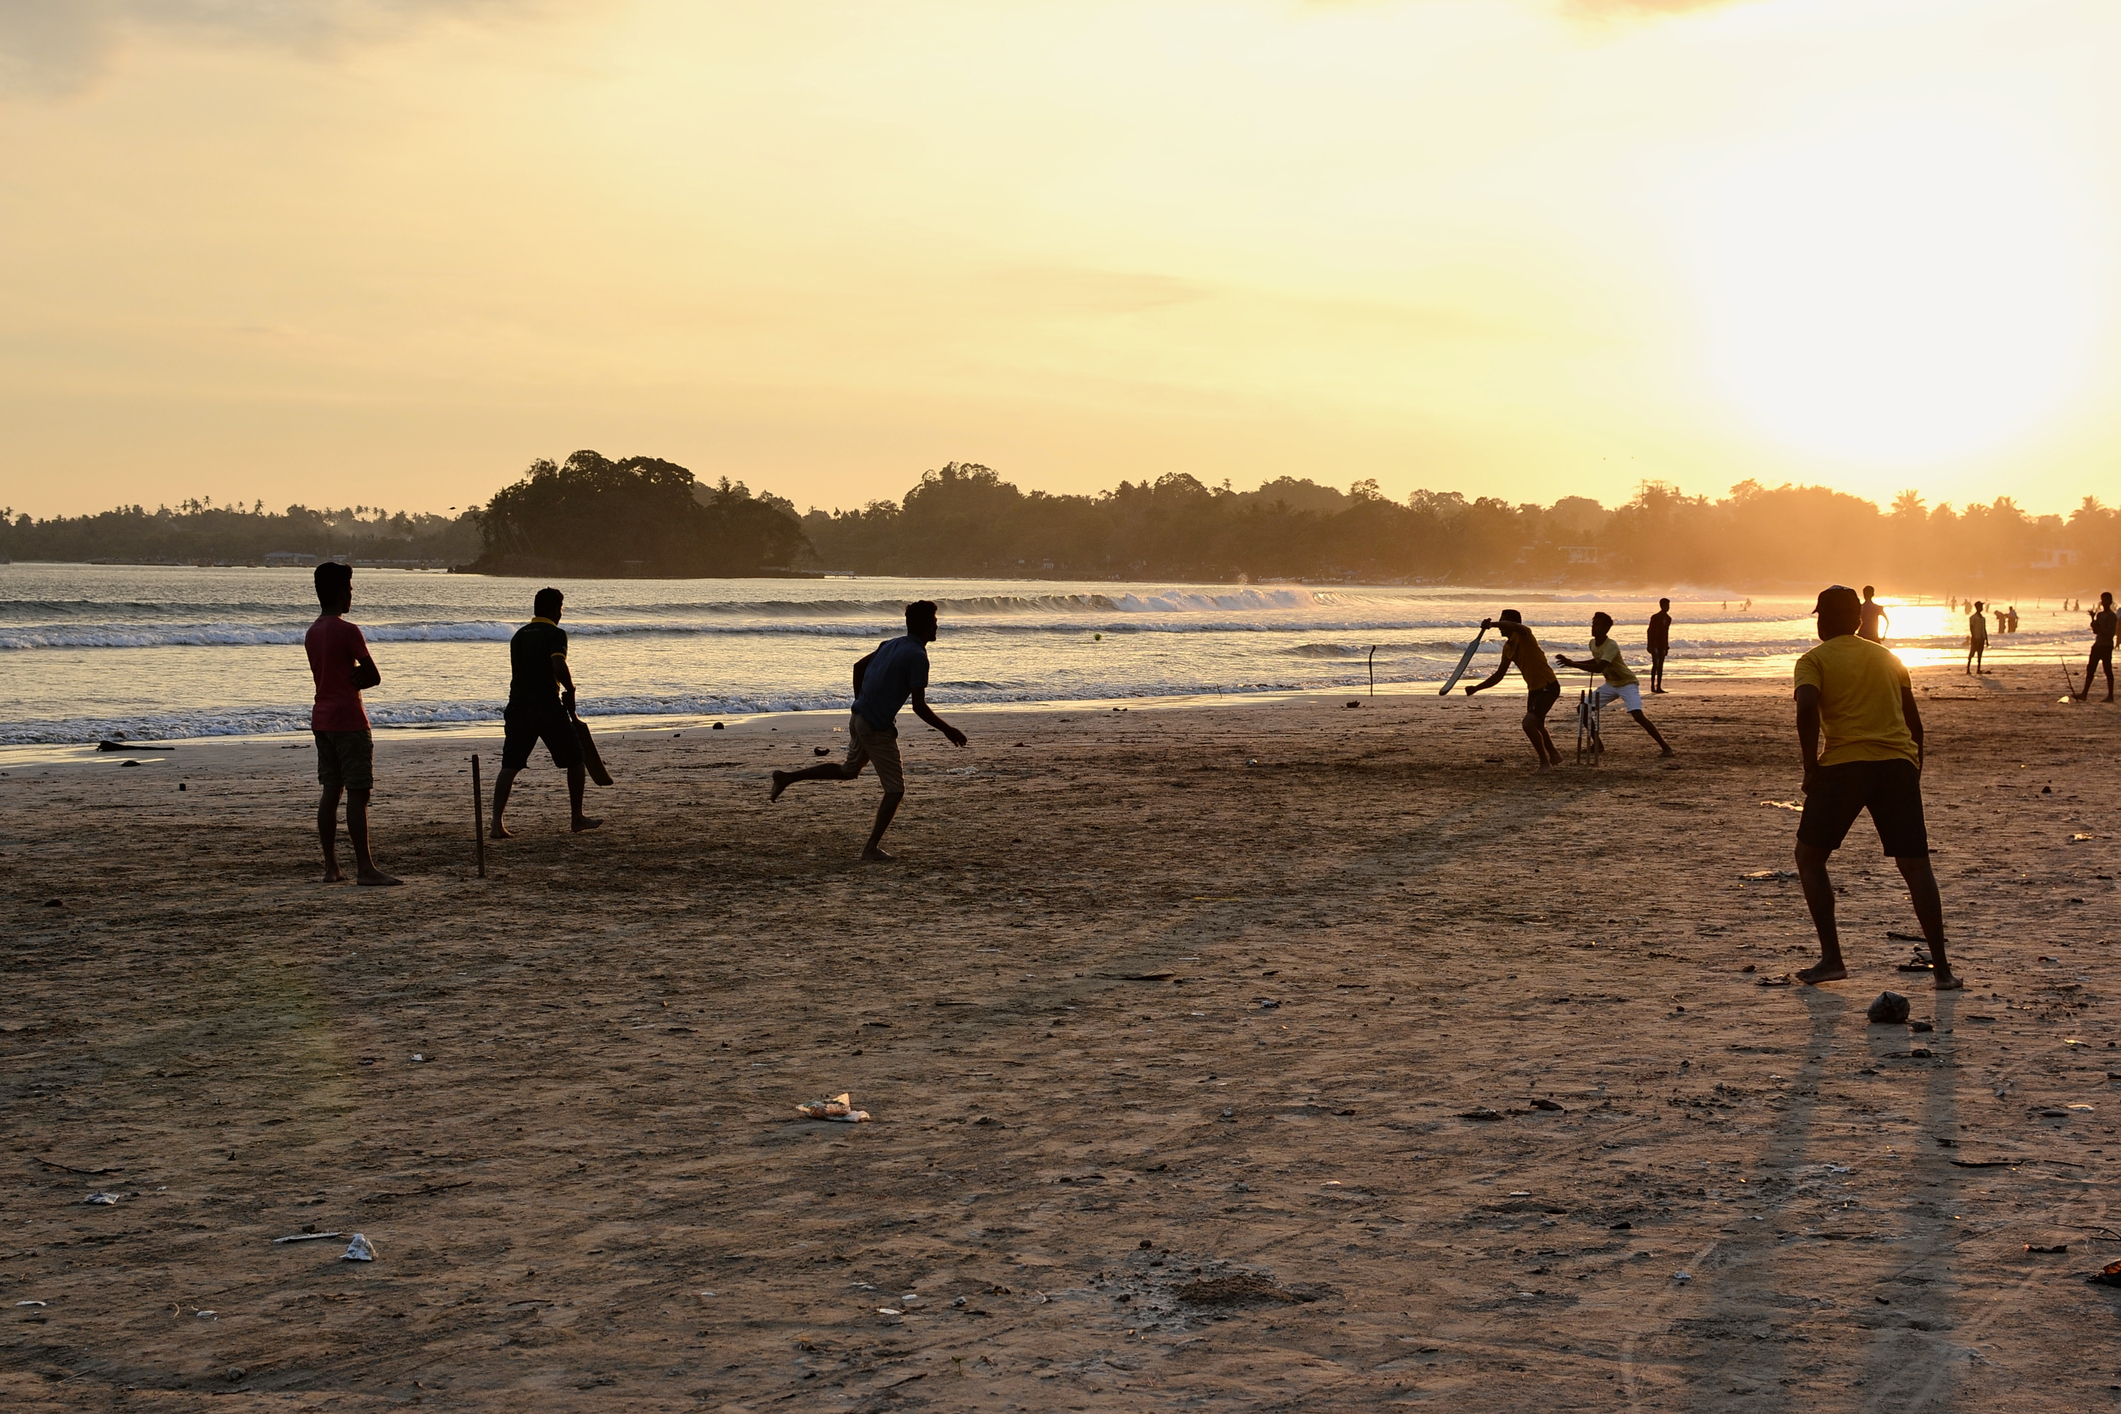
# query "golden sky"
(388, 251)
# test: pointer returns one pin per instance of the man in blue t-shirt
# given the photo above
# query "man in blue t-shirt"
(883, 682)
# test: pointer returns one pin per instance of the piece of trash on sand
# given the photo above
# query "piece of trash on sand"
(1890, 1009)
(307, 1237)
(1481, 1112)
(29, 1303)
(2079, 839)
(820, 751)
(1922, 1026)
(2082, 1109)
(101, 1200)
(2047, 1251)
(1682, 1276)
(1774, 981)
(839, 1107)
(1772, 874)
(358, 1250)
(1785, 805)
(2110, 1275)
(1548, 1105)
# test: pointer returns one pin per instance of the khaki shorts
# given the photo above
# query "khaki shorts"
(878, 747)
(346, 759)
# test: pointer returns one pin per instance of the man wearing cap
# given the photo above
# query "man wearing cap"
(1541, 688)
(1857, 697)
(341, 665)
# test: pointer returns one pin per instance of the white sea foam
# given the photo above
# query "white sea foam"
(161, 653)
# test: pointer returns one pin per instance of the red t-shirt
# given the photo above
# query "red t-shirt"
(333, 643)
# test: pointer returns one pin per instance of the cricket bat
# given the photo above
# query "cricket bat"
(1465, 661)
(590, 759)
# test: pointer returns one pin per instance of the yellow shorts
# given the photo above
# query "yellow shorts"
(874, 746)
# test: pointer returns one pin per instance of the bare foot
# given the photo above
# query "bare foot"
(500, 834)
(583, 822)
(376, 878)
(1949, 982)
(1669, 752)
(1821, 972)
(1544, 766)
(873, 855)
(333, 877)
(780, 783)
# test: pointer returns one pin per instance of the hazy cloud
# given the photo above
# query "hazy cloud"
(1643, 9)
(49, 48)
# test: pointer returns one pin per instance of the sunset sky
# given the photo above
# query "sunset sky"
(389, 251)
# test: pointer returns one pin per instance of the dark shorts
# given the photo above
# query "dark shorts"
(1890, 790)
(1540, 700)
(527, 726)
(346, 760)
(2101, 653)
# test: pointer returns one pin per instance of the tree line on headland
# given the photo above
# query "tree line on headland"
(645, 517)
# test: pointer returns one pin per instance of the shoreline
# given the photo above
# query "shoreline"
(2013, 676)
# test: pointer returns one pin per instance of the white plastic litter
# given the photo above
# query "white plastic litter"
(839, 1107)
(358, 1250)
(101, 1199)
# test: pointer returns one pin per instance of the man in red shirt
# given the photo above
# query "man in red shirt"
(340, 663)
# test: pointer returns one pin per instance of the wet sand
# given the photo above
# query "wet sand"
(1171, 1023)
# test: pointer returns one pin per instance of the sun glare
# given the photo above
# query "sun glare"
(1904, 295)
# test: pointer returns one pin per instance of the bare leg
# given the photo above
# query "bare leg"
(1547, 740)
(1929, 909)
(1819, 898)
(365, 870)
(831, 771)
(577, 778)
(885, 809)
(1642, 720)
(1536, 731)
(502, 784)
(327, 834)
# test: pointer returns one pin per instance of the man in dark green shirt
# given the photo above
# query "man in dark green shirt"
(538, 710)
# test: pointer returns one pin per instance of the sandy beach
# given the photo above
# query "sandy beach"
(1269, 1056)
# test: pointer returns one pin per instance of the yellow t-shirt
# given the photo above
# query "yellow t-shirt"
(1521, 648)
(1859, 686)
(1617, 672)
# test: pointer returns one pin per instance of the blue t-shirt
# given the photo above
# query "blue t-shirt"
(897, 670)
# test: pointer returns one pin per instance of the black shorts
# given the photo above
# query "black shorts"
(2101, 653)
(1890, 790)
(1540, 700)
(527, 726)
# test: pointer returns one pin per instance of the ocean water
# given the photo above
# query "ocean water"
(157, 653)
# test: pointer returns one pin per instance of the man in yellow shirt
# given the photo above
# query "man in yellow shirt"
(1542, 688)
(1620, 683)
(1856, 695)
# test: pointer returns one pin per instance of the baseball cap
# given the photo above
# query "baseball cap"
(1836, 596)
